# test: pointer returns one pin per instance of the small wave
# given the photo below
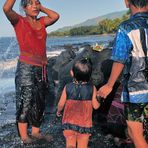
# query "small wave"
(7, 65)
(54, 53)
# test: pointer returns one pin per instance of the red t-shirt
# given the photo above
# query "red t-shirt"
(32, 42)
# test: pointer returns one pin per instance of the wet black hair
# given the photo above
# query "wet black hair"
(82, 69)
(139, 3)
(24, 3)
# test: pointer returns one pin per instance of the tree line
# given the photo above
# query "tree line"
(106, 26)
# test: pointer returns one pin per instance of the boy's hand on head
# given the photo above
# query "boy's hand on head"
(104, 91)
(39, 5)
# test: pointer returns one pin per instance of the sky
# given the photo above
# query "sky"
(71, 12)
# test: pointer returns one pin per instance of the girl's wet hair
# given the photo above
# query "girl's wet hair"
(139, 3)
(24, 3)
(82, 69)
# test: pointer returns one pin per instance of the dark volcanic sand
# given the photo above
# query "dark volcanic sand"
(52, 125)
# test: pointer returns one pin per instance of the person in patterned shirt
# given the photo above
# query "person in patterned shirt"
(129, 54)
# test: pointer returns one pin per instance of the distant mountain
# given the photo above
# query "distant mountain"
(95, 21)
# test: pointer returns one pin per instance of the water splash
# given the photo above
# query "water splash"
(7, 65)
(5, 55)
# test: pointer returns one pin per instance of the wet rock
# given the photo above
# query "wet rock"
(63, 64)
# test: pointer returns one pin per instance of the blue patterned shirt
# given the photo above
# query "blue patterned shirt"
(128, 49)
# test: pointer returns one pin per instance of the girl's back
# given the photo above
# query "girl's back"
(78, 108)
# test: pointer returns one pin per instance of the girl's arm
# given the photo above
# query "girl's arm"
(95, 103)
(62, 102)
(12, 16)
(51, 17)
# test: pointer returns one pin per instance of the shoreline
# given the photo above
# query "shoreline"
(97, 35)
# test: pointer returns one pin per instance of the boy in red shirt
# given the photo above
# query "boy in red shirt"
(30, 77)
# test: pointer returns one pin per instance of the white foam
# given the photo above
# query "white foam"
(7, 65)
(54, 53)
(11, 64)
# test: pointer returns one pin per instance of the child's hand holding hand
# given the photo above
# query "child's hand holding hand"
(58, 114)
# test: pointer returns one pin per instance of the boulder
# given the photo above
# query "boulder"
(60, 66)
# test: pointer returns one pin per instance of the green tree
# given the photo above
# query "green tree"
(104, 27)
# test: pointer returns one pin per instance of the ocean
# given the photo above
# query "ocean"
(9, 52)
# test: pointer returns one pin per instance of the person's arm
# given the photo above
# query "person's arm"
(12, 16)
(62, 102)
(51, 17)
(95, 103)
(107, 88)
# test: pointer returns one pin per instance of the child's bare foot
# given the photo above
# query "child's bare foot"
(39, 136)
(27, 140)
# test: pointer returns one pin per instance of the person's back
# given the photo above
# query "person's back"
(130, 55)
(79, 99)
(133, 31)
(78, 107)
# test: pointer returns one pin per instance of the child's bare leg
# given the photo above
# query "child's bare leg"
(71, 142)
(82, 141)
(22, 127)
(135, 130)
(36, 134)
(70, 137)
(35, 130)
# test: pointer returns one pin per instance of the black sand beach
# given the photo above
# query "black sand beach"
(52, 125)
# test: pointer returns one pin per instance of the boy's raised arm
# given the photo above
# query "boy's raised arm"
(12, 16)
(51, 17)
